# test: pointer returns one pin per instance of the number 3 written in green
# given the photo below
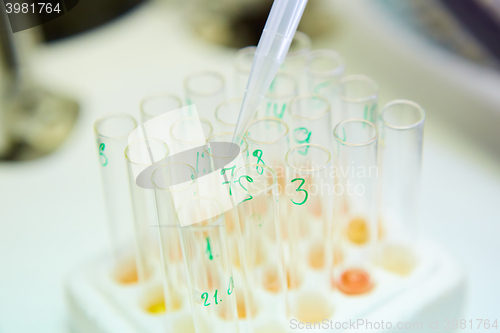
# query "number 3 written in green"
(300, 189)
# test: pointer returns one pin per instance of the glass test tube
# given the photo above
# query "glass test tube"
(242, 65)
(296, 59)
(220, 159)
(324, 70)
(140, 155)
(308, 234)
(111, 134)
(283, 88)
(294, 63)
(172, 179)
(226, 115)
(358, 98)
(205, 89)
(181, 132)
(268, 143)
(261, 258)
(310, 120)
(157, 104)
(206, 256)
(400, 157)
(356, 173)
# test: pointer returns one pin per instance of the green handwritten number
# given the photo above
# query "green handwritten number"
(104, 162)
(250, 180)
(274, 106)
(305, 132)
(231, 286)
(223, 171)
(215, 297)
(300, 189)
(205, 297)
(209, 250)
(258, 153)
(282, 113)
(268, 107)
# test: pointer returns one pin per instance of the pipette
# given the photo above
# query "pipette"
(271, 51)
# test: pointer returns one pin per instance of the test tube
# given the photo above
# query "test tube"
(227, 165)
(268, 142)
(111, 134)
(296, 59)
(181, 132)
(283, 88)
(140, 155)
(226, 115)
(400, 156)
(310, 120)
(242, 66)
(210, 279)
(222, 158)
(294, 63)
(324, 70)
(309, 248)
(356, 169)
(205, 89)
(358, 98)
(255, 193)
(169, 180)
(157, 104)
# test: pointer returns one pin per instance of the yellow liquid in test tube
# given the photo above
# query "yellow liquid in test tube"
(126, 272)
(358, 231)
(312, 308)
(397, 259)
(158, 305)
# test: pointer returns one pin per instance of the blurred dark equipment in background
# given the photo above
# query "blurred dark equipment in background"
(33, 120)
(88, 14)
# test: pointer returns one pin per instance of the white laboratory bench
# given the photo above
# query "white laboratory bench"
(51, 211)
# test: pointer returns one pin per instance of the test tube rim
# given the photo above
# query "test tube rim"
(293, 54)
(221, 104)
(310, 95)
(303, 51)
(333, 72)
(230, 134)
(268, 142)
(117, 115)
(363, 99)
(202, 72)
(279, 96)
(168, 189)
(406, 102)
(205, 120)
(157, 94)
(275, 178)
(148, 140)
(308, 171)
(369, 123)
(239, 54)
